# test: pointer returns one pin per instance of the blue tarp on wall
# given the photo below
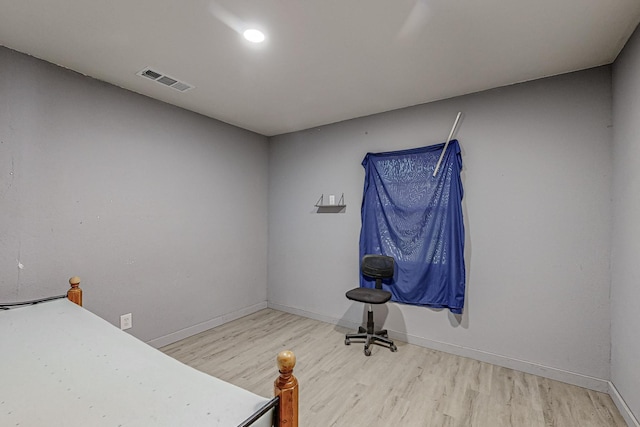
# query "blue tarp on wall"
(417, 219)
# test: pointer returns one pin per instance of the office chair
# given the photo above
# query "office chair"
(377, 267)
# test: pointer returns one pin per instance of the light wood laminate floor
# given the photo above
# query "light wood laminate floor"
(340, 386)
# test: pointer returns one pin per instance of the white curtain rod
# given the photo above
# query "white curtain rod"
(446, 144)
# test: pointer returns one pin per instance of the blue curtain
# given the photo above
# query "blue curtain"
(417, 219)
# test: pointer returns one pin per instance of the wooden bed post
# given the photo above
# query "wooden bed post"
(286, 387)
(75, 293)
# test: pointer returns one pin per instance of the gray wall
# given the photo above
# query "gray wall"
(162, 212)
(625, 260)
(537, 179)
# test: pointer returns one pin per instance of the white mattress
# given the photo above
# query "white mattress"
(61, 365)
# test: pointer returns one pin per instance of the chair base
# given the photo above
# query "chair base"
(370, 336)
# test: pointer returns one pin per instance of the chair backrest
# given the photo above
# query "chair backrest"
(377, 267)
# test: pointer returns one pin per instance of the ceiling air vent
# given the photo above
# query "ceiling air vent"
(165, 80)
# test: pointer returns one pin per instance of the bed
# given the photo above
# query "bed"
(64, 366)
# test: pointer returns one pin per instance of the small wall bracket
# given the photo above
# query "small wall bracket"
(324, 207)
(320, 203)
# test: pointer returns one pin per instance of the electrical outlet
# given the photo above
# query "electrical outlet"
(125, 321)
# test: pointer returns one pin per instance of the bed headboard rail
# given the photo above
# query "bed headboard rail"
(75, 293)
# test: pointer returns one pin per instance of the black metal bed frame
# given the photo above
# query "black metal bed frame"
(272, 404)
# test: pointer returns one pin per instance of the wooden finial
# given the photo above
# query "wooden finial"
(75, 293)
(286, 386)
(286, 361)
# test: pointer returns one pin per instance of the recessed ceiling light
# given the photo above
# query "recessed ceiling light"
(253, 35)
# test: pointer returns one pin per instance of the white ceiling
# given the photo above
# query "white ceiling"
(325, 60)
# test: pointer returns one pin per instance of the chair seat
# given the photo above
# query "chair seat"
(369, 296)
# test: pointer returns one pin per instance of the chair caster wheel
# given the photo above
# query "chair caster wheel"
(393, 348)
(347, 341)
(367, 352)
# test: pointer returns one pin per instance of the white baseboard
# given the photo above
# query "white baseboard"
(569, 377)
(625, 411)
(201, 327)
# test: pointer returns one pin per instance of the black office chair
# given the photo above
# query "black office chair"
(377, 267)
